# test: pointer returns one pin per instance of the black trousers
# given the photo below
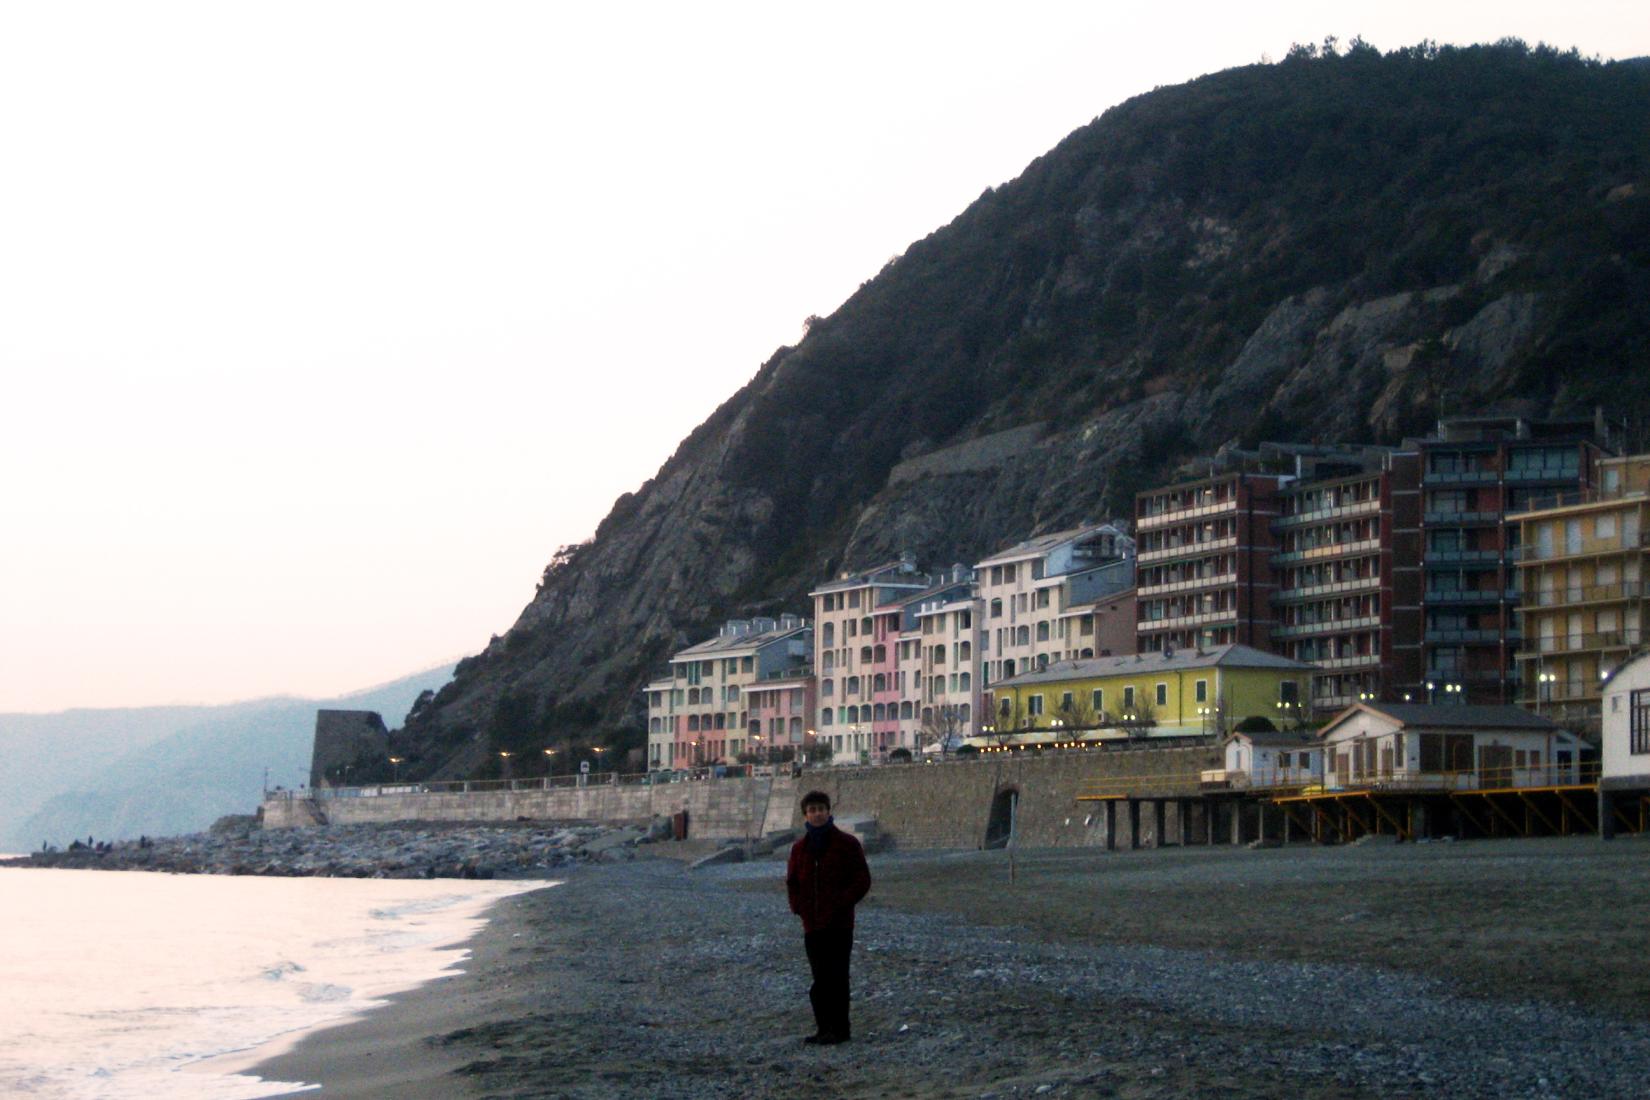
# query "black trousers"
(828, 952)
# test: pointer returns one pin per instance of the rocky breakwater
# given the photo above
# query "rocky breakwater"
(405, 850)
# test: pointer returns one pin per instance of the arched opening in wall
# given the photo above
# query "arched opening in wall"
(1000, 825)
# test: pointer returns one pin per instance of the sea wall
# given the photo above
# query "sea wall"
(956, 804)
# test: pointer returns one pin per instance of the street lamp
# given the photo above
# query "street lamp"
(505, 756)
(1545, 682)
(395, 763)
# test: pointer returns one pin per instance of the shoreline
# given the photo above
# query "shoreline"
(645, 979)
(384, 1051)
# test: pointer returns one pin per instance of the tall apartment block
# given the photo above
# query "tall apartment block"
(1203, 562)
(1581, 573)
(1348, 570)
(702, 713)
(854, 645)
(1475, 471)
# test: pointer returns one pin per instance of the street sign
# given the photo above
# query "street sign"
(584, 767)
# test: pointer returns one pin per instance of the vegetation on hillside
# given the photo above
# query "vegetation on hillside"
(1139, 257)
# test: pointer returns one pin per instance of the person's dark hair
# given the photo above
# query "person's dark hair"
(816, 798)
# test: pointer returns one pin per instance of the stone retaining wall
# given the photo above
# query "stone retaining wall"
(946, 805)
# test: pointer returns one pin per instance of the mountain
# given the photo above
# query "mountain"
(115, 774)
(1337, 247)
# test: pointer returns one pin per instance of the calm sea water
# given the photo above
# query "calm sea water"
(116, 986)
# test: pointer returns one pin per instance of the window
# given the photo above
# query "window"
(1042, 632)
(1128, 697)
(997, 609)
(1066, 702)
(1201, 689)
(826, 717)
(1604, 527)
(1288, 691)
(1162, 695)
(1098, 700)
(1034, 705)
(1638, 722)
(1009, 573)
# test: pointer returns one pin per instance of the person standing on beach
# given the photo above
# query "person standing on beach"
(826, 878)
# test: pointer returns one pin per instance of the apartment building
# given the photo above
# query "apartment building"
(1348, 573)
(706, 707)
(1027, 590)
(1203, 569)
(854, 645)
(943, 680)
(661, 698)
(1581, 570)
(1474, 472)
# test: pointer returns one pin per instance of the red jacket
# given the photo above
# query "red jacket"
(825, 888)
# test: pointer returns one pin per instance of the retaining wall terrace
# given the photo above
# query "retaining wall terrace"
(946, 805)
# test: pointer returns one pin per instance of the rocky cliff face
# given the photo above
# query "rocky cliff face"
(1331, 249)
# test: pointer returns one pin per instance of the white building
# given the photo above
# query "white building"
(1273, 758)
(1025, 590)
(1626, 723)
(1441, 747)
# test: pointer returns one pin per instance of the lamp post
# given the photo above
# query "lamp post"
(505, 768)
(395, 764)
(1545, 682)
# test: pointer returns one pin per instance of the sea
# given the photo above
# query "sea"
(134, 985)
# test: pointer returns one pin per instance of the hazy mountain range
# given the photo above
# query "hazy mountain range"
(118, 773)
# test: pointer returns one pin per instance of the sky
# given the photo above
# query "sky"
(323, 325)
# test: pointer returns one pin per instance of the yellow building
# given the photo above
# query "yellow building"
(1581, 591)
(1179, 692)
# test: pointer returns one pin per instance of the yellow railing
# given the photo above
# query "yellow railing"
(1469, 779)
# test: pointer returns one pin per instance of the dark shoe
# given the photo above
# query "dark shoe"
(817, 1037)
(829, 1039)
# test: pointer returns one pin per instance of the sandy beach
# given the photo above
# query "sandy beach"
(1502, 969)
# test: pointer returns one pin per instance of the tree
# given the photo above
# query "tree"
(942, 726)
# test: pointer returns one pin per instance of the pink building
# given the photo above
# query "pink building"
(851, 650)
(705, 716)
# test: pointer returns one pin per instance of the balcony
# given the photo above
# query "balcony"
(1459, 477)
(1586, 548)
(1332, 588)
(1461, 519)
(1189, 551)
(1328, 626)
(1442, 557)
(1470, 595)
(1332, 550)
(1452, 637)
(1214, 581)
(1201, 618)
(1549, 644)
(1581, 594)
(1359, 660)
(1184, 515)
(1558, 475)
(1322, 515)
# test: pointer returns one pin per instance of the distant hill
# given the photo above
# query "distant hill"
(163, 770)
(1336, 247)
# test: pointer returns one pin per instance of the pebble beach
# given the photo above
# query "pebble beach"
(1080, 976)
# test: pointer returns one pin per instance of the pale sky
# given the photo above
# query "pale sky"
(322, 325)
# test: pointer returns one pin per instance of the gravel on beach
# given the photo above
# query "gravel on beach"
(645, 979)
(238, 846)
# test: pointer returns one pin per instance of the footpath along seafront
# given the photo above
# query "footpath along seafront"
(1492, 969)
